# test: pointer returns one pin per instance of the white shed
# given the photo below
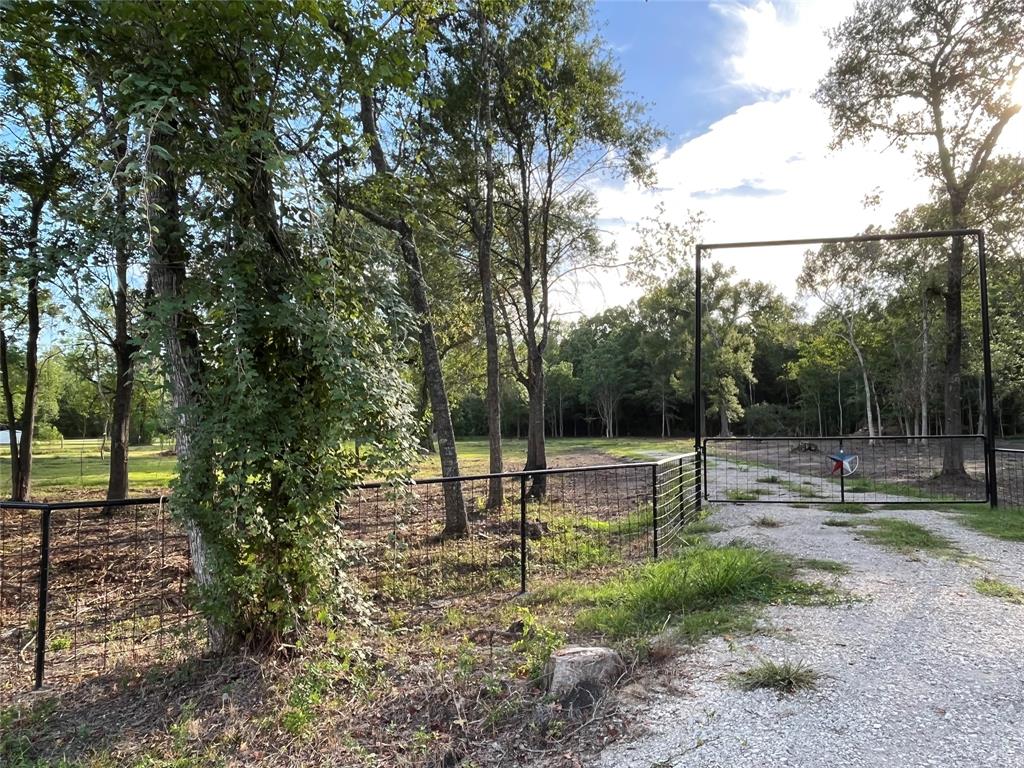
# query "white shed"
(5, 436)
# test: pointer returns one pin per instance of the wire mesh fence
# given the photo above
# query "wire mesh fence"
(1010, 476)
(91, 587)
(587, 517)
(867, 470)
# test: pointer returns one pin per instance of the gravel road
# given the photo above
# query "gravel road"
(920, 671)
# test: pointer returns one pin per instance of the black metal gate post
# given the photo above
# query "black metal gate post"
(698, 386)
(522, 534)
(986, 353)
(44, 595)
(842, 476)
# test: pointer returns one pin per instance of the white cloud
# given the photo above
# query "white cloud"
(766, 171)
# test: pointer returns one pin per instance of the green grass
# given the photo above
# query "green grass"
(77, 465)
(804, 490)
(752, 494)
(838, 522)
(904, 536)
(1006, 524)
(847, 508)
(704, 589)
(1000, 589)
(784, 677)
(820, 564)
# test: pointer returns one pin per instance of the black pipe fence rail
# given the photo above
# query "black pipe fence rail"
(88, 587)
(91, 587)
(1009, 463)
(882, 470)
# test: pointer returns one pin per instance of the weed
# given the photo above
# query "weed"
(904, 536)
(700, 590)
(767, 522)
(784, 677)
(536, 644)
(848, 508)
(818, 564)
(768, 479)
(838, 522)
(752, 494)
(701, 527)
(1000, 589)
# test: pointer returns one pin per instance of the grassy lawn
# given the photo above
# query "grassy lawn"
(62, 471)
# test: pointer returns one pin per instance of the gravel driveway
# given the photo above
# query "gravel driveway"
(920, 671)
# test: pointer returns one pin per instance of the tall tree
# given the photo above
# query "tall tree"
(942, 71)
(44, 105)
(563, 118)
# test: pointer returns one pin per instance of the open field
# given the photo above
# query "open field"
(76, 469)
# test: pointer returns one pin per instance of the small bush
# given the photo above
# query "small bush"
(784, 677)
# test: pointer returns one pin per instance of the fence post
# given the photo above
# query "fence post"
(44, 594)
(522, 534)
(680, 493)
(701, 476)
(842, 477)
(654, 506)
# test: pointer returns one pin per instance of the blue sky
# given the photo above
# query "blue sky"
(732, 82)
(673, 57)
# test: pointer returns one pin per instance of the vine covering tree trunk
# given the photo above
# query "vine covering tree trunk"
(182, 361)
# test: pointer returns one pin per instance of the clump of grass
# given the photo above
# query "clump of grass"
(1000, 589)
(904, 536)
(799, 505)
(752, 494)
(838, 522)
(701, 527)
(804, 490)
(820, 564)
(785, 676)
(768, 479)
(848, 508)
(767, 522)
(702, 590)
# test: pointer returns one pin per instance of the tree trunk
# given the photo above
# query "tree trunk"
(456, 523)
(952, 450)
(839, 396)
(124, 348)
(536, 450)
(923, 383)
(5, 380)
(22, 488)
(723, 421)
(182, 363)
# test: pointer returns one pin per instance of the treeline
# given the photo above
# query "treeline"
(860, 349)
(323, 224)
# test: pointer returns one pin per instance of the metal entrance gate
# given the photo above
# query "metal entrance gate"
(865, 470)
